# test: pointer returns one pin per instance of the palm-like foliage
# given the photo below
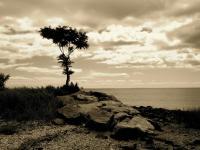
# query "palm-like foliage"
(3, 79)
(68, 38)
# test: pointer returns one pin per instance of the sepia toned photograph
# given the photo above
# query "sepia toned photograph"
(99, 74)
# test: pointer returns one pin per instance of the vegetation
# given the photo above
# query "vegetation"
(191, 118)
(68, 40)
(3, 79)
(63, 90)
(28, 104)
(32, 103)
(188, 118)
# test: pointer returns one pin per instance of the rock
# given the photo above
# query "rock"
(162, 146)
(111, 102)
(133, 128)
(101, 136)
(39, 148)
(67, 100)
(131, 146)
(121, 116)
(8, 129)
(58, 121)
(120, 108)
(156, 125)
(103, 96)
(70, 113)
(196, 142)
(128, 146)
(85, 98)
(85, 108)
(99, 119)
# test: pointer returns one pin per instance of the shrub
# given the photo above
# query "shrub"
(28, 104)
(191, 118)
(3, 79)
(63, 90)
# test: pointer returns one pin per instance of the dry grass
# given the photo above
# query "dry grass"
(27, 104)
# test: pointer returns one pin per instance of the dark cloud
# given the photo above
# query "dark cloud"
(186, 8)
(9, 48)
(87, 12)
(13, 31)
(4, 60)
(146, 29)
(113, 44)
(120, 9)
(165, 46)
(188, 34)
(39, 61)
(193, 62)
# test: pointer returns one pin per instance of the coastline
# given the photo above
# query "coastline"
(59, 135)
(169, 98)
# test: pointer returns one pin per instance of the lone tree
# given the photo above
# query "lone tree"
(3, 79)
(68, 39)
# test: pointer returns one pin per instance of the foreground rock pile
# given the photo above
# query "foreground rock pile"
(93, 120)
(102, 112)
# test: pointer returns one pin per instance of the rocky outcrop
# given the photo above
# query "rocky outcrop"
(99, 111)
(133, 128)
(70, 113)
(85, 98)
(99, 119)
(103, 96)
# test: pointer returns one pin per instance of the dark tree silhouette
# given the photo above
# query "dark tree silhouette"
(3, 79)
(67, 39)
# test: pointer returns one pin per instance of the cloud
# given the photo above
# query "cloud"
(86, 12)
(146, 29)
(189, 35)
(39, 70)
(126, 37)
(138, 57)
(105, 74)
(13, 31)
(185, 8)
(6, 66)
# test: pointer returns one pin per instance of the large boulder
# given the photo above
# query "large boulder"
(99, 119)
(67, 100)
(121, 116)
(100, 111)
(85, 98)
(133, 128)
(116, 108)
(70, 113)
(111, 102)
(84, 109)
(103, 96)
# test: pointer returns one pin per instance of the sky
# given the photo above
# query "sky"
(133, 43)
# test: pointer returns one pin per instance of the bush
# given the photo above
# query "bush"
(28, 104)
(191, 118)
(188, 118)
(3, 79)
(63, 90)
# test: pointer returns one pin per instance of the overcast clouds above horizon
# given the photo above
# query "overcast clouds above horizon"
(133, 43)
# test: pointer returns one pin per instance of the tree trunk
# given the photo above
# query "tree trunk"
(68, 76)
(68, 79)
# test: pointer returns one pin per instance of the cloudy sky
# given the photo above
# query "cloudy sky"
(133, 43)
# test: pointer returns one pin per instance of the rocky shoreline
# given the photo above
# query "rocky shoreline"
(94, 120)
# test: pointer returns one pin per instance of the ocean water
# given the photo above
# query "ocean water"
(170, 98)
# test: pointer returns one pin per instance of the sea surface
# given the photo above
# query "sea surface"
(170, 98)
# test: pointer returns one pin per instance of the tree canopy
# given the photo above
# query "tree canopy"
(67, 39)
